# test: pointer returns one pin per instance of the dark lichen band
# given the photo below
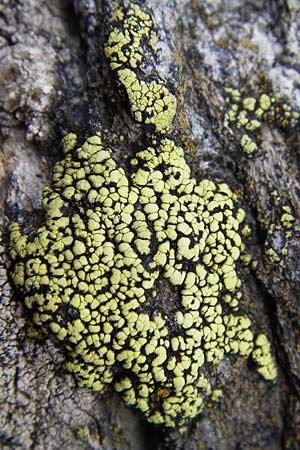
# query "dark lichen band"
(89, 274)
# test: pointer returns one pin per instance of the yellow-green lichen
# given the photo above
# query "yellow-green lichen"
(262, 356)
(88, 273)
(132, 35)
(279, 234)
(244, 117)
(151, 103)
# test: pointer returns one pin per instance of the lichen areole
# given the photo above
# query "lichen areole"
(89, 273)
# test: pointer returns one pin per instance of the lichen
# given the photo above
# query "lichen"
(244, 116)
(89, 271)
(130, 48)
(262, 356)
(283, 229)
(89, 274)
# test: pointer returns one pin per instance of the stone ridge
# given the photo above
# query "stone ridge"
(88, 273)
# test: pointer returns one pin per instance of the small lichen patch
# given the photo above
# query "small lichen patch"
(130, 47)
(244, 117)
(262, 356)
(132, 36)
(280, 233)
(151, 103)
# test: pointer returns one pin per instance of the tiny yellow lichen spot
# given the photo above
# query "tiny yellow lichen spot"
(263, 357)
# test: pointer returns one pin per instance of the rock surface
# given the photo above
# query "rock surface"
(55, 79)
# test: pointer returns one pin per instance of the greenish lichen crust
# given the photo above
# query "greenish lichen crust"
(130, 47)
(89, 272)
(245, 115)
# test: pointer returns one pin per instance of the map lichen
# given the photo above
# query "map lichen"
(130, 45)
(244, 116)
(90, 272)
